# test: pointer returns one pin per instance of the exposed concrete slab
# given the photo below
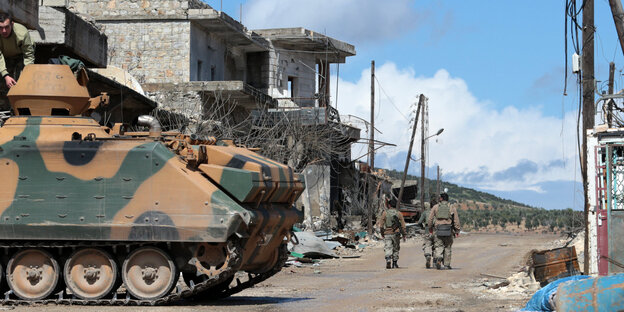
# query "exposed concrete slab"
(25, 12)
(226, 27)
(116, 10)
(60, 27)
(299, 38)
(54, 3)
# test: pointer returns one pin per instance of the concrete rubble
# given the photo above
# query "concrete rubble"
(523, 283)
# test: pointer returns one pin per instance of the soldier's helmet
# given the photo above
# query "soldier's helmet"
(392, 203)
(444, 196)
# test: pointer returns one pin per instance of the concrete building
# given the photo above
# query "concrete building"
(185, 49)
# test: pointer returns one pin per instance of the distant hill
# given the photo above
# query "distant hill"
(460, 194)
(481, 211)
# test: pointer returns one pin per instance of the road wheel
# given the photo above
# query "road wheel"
(90, 273)
(149, 273)
(32, 274)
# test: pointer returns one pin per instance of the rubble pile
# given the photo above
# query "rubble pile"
(521, 284)
(313, 246)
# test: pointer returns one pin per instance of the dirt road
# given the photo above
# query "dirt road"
(363, 284)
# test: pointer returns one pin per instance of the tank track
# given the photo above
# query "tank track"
(62, 298)
(252, 279)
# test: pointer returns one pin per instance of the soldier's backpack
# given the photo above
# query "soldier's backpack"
(392, 219)
(444, 211)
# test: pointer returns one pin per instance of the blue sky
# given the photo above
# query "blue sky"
(493, 72)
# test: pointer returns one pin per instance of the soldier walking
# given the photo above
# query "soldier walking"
(428, 241)
(445, 220)
(392, 226)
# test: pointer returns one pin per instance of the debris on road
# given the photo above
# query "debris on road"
(521, 283)
(494, 276)
(499, 285)
(332, 244)
(294, 263)
(311, 246)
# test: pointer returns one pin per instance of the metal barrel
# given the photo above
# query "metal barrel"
(550, 265)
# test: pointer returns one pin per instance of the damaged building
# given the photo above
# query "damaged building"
(201, 71)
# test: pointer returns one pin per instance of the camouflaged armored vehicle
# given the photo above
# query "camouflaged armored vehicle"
(85, 207)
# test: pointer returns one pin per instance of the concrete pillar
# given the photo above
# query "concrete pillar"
(25, 12)
(59, 26)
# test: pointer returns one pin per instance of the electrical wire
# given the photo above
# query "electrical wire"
(390, 100)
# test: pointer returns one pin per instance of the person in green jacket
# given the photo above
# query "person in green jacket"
(16, 49)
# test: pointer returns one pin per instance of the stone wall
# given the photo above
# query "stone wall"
(113, 9)
(184, 105)
(152, 51)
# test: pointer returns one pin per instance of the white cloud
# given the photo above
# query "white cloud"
(481, 146)
(355, 21)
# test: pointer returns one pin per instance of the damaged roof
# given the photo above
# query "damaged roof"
(299, 38)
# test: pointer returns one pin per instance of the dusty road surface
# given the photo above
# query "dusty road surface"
(363, 284)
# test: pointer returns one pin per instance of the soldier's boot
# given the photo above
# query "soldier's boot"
(438, 263)
(388, 264)
(428, 261)
(447, 267)
(395, 265)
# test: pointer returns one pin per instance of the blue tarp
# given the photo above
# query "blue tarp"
(540, 300)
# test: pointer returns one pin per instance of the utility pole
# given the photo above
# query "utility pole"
(438, 184)
(409, 151)
(587, 79)
(610, 104)
(422, 157)
(371, 153)
(618, 19)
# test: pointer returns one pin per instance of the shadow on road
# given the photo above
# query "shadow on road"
(247, 301)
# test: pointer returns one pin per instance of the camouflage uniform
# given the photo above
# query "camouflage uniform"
(443, 214)
(428, 239)
(392, 235)
(16, 51)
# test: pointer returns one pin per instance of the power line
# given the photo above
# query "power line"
(389, 99)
